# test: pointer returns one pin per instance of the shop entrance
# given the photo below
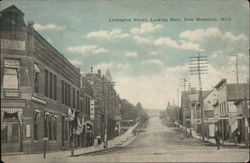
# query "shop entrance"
(10, 137)
(11, 130)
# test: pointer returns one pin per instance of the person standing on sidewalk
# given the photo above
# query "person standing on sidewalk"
(217, 136)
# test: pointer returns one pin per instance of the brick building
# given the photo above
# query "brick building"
(105, 97)
(40, 90)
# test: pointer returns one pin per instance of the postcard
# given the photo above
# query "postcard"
(125, 80)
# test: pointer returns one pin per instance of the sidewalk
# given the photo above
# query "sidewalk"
(209, 140)
(119, 141)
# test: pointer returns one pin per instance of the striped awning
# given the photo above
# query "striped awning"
(234, 126)
(19, 112)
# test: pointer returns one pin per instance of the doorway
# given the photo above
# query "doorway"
(10, 137)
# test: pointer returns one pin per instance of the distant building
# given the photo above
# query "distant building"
(105, 98)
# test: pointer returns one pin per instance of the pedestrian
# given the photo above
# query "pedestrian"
(99, 139)
(217, 137)
(238, 137)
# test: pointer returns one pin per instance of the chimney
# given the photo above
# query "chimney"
(30, 24)
(99, 73)
(91, 69)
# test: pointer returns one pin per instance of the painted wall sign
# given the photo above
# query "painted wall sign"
(11, 94)
(11, 62)
(12, 44)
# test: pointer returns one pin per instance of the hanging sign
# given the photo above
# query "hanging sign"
(92, 109)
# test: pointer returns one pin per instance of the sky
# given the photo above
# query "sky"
(148, 53)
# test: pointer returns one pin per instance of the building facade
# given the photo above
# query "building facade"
(40, 90)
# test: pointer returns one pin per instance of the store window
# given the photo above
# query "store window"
(15, 133)
(46, 122)
(66, 129)
(55, 128)
(50, 128)
(10, 78)
(4, 133)
(36, 116)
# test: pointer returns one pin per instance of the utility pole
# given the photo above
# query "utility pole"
(182, 83)
(198, 66)
(237, 77)
(106, 109)
(178, 103)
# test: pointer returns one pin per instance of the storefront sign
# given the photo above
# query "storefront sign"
(209, 120)
(11, 94)
(12, 44)
(36, 99)
(92, 109)
(11, 62)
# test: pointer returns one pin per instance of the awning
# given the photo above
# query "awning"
(234, 126)
(19, 112)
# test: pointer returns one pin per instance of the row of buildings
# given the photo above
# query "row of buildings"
(227, 106)
(45, 98)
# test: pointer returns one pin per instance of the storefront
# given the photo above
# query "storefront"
(223, 125)
(11, 129)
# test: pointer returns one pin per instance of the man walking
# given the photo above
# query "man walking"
(217, 137)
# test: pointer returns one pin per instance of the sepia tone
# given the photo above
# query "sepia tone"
(52, 111)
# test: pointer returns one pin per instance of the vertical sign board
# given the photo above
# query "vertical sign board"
(211, 128)
(92, 109)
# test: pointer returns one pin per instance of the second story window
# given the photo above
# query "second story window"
(62, 93)
(77, 101)
(46, 83)
(10, 78)
(74, 98)
(11, 74)
(50, 85)
(36, 78)
(55, 87)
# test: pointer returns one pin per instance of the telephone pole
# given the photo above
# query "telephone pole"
(106, 100)
(198, 66)
(183, 83)
(237, 76)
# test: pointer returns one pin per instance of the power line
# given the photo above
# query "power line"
(198, 66)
